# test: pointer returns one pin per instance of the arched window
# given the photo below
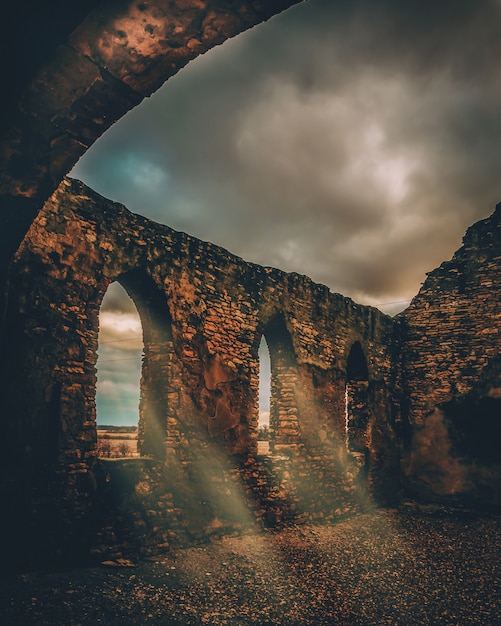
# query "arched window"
(264, 397)
(357, 387)
(284, 425)
(118, 374)
(157, 383)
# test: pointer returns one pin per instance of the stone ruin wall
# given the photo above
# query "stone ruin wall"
(452, 372)
(447, 341)
(422, 388)
(203, 312)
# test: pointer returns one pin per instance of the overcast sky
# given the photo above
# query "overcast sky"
(353, 141)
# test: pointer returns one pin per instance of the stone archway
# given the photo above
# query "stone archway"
(357, 410)
(118, 372)
(284, 425)
(158, 361)
(101, 60)
(264, 396)
(358, 414)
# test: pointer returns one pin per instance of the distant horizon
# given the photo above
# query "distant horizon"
(113, 426)
(112, 423)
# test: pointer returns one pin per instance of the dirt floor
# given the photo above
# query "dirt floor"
(414, 565)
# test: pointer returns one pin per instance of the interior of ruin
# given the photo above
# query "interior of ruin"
(365, 408)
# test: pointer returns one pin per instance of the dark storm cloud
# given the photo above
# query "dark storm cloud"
(350, 141)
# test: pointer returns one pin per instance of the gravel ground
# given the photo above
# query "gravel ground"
(414, 565)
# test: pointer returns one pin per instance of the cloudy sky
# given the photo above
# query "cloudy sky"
(353, 141)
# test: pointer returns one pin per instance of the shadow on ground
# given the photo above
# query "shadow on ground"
(412, 565)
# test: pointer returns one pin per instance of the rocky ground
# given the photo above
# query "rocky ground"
(414, 565)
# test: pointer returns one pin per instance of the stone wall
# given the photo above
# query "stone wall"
(203, 313)
(362, 405)
(452, 372)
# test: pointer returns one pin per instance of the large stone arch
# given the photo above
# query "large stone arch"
(98, 60)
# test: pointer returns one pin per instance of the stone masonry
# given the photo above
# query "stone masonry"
(203, 313)
(363, 406)
(452, 371)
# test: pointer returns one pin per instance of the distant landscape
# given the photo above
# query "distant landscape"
(117, 441)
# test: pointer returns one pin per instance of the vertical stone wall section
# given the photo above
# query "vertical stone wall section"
(452, 355)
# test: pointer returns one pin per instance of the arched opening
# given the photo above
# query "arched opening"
(135, 365)
(283, 417)
(357, 413)
(263, 445)
(356, 400)
(120, 353)
(158, 381)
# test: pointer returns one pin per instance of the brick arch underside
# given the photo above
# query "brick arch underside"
(106, 57)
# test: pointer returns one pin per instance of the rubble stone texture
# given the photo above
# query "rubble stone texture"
(203, 312)
(452, 370)
(362, 405)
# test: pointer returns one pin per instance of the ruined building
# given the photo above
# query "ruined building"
(364, 409)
